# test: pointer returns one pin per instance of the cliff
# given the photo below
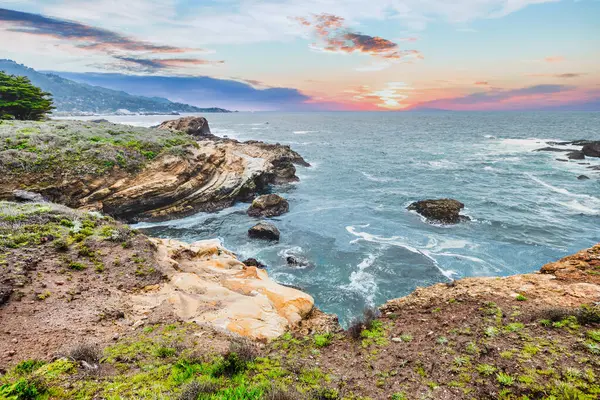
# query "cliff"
(136, 173)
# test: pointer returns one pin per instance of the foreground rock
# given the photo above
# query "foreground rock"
(70, 277)
(264, 230)
(134, 173)
(446, 211)
(195, 126)
(268, 205)
(208, 285)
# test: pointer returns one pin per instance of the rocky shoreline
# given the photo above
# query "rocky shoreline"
(136, 174)
(90, 308)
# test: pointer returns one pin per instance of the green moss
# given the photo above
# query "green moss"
(486, 369)
(76, 266)
(323, 340)
(505, 379)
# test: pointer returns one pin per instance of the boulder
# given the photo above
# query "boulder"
(195, 126)
(446, 211)
(299, 262)
(576, 155)
(268, 205)
(264, 230)
(25, 196)
(583, 177)
(253, 262)
(591, 149)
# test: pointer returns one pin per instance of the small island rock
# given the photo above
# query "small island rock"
(195, 126)
(591, 149)
(264, 230)
(446, 211)
(268, 205)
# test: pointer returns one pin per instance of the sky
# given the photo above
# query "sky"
(320, 54)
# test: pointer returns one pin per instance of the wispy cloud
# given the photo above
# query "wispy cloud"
(155, 64)
(482, 83)
(554, 59)
(334, 36)
(83, 36)
(568, 75)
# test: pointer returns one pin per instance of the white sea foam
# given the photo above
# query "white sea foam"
(399, 242)
(362, 281)
(304, 132)
(560, 190)
(378, 179)
(580, 208)
(442, 164)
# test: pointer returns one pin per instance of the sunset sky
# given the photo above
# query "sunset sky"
(320, 55)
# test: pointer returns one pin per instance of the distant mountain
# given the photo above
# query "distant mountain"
(74, 97)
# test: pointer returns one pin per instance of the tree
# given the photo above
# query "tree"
(20, 99)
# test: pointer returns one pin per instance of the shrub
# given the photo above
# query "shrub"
(486, 369)
(87, 354)
(164, 352)
(520, 297)
(28, 366)
(23, 389)
(323, 340)
(504, 379)
(77, 266)
(194, 389)
(357, 325)
(275, 393)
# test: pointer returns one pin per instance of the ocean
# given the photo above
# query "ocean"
(348, 214)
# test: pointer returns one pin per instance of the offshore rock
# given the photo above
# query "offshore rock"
(446, 211)
(195, 126)
(268, 205)
(591, 149)
(264, 230)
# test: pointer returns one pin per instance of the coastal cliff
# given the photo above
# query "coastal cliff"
(136, 173)
(92, 309)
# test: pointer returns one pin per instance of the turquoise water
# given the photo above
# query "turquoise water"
(348, 212)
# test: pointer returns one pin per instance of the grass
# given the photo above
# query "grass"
(54, 148)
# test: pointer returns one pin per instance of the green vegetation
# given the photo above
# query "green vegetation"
(21, 100)
(58, 148)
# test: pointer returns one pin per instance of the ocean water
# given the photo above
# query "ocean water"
(348, 213)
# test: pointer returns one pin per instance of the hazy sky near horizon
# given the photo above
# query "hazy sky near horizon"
(325, 54)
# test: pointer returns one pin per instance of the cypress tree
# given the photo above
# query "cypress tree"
(20, 99)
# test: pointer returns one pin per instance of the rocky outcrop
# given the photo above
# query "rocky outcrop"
(208, 285)
(253, 262)
(569, 282)
(591, 149)
(264, 230)
(268, 205)
(134, 173)
(576, 155)
(195, 126)
(446, 211)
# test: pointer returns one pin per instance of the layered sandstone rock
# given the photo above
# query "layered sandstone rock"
(209, 285)
(569, 282)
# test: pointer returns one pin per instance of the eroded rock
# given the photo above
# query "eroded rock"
(268, 205)
(208, 285)
(446, 211)
(264, 230)
(195, 126)
(591, 149)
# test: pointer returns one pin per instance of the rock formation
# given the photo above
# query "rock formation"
(264, 230)
(591, 149)
(134, 173)
(195, 126)
(268, 205)
(446, 211)
(208, 285)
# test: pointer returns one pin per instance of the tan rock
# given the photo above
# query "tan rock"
(208, 285)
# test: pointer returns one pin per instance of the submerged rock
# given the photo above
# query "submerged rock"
(195, 126)
(576, 155)
(299, 262)
(253, 262)
(264, 230)
(446, 211)
(583, 177)
(591, 149)
(268, 205)
(553, 149)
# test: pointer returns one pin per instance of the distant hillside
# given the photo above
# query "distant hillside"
(73, 97)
